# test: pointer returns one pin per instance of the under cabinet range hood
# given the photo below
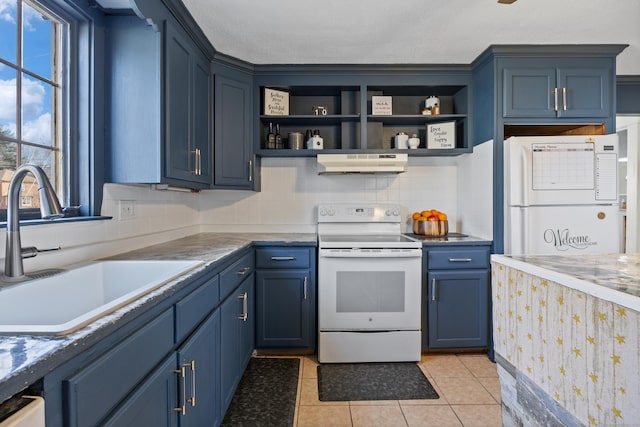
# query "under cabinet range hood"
(362, 163)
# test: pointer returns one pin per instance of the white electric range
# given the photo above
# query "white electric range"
(369, 285)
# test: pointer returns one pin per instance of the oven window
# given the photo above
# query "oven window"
(370, 291)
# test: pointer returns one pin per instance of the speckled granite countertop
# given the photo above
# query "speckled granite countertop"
(452, 239)
(24, 359)
(612, 277)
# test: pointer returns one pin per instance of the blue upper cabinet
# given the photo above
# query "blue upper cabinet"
(558, 88)
(187, 109)
(159, 111)
(235, 166)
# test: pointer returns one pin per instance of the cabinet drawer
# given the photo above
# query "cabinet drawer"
(233, 275)
(95, 390)
(476, 257)
(283, 257)
(193, 308)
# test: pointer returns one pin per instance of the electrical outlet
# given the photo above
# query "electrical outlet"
(127, 209)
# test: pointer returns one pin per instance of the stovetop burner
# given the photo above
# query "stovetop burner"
(446, 238)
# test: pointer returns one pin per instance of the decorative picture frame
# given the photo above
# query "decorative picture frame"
(381, 105)
(276, 102)
(441, 136)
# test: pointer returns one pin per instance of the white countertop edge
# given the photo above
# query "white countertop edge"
(604, 293)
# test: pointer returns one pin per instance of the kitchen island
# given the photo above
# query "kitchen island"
(566, 338)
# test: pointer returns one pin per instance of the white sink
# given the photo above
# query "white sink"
(66, 302)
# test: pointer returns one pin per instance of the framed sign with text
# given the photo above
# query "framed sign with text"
(276, 102)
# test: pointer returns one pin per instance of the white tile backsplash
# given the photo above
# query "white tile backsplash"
(291, 190)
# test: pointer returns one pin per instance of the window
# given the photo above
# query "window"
(32, 94)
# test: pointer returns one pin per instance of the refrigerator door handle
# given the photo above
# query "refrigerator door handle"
(525, 176)
(525, 231)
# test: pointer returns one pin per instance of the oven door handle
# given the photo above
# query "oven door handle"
(341, 253)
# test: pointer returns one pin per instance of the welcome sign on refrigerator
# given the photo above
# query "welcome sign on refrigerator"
(561, 195)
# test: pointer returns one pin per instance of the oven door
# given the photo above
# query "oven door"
(369, 289)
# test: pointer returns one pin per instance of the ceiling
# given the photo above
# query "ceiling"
(410, 31)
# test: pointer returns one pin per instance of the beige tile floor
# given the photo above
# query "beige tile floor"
(467, 384)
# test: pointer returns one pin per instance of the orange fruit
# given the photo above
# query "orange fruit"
(425, 213)
(415, 215)
(442, 217)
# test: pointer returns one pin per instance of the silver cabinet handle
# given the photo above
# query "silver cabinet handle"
(564, 98)
(283, 258)
(304, 289)
(243, 271)
(250, 170)
(433, 289)
(182, 373)
(192, 366)
(555, 98)
(245, 307)
(460, 259)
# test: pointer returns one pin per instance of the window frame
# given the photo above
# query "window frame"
(83, 105)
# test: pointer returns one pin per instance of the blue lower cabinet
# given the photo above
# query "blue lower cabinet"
(236, 337)
(154, 401)
(458, 308)
(284, 302)
(199, 376)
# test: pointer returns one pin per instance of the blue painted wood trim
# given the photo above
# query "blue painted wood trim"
(628, 94)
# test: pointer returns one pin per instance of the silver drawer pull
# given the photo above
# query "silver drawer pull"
(243, 271)
(192, 366)
(460, 259)
(283, 258)
(433, 289)
(305, 287)
(245, 307)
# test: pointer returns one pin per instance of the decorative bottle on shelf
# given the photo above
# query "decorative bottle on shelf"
(271, 138)
(278, 139)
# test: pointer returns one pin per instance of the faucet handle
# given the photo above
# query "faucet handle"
(31, 251)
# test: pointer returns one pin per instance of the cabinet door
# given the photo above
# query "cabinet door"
(230, 373)
(153, 402)
(529, 92)
(237, 337)
(458, 308)
(283, 301)
(202, 141)
(233, 131)
(200, 357)
(179, 158)
(585, 92)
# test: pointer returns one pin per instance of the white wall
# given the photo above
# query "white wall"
(291, 190)
(159, 216)
(475, 191)
(632, 125)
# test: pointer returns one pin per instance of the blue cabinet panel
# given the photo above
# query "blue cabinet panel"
(587, 92)
(194, 307)
(233, 129)
(458, 308)
(153, 402)
(237, 272)
(200, 357)
(284, 257)
(236, 337)
(95, 390)
(283, 306)
(529, 92)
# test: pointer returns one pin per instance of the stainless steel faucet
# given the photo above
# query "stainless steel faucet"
(49, 209)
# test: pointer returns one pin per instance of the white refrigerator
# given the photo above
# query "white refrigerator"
(561, 195)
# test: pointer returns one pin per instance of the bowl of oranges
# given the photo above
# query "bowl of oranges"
(430, 223)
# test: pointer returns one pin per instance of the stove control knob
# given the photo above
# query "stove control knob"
(323, 212)
(395, 212)
(388, 212)
(332, 212)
